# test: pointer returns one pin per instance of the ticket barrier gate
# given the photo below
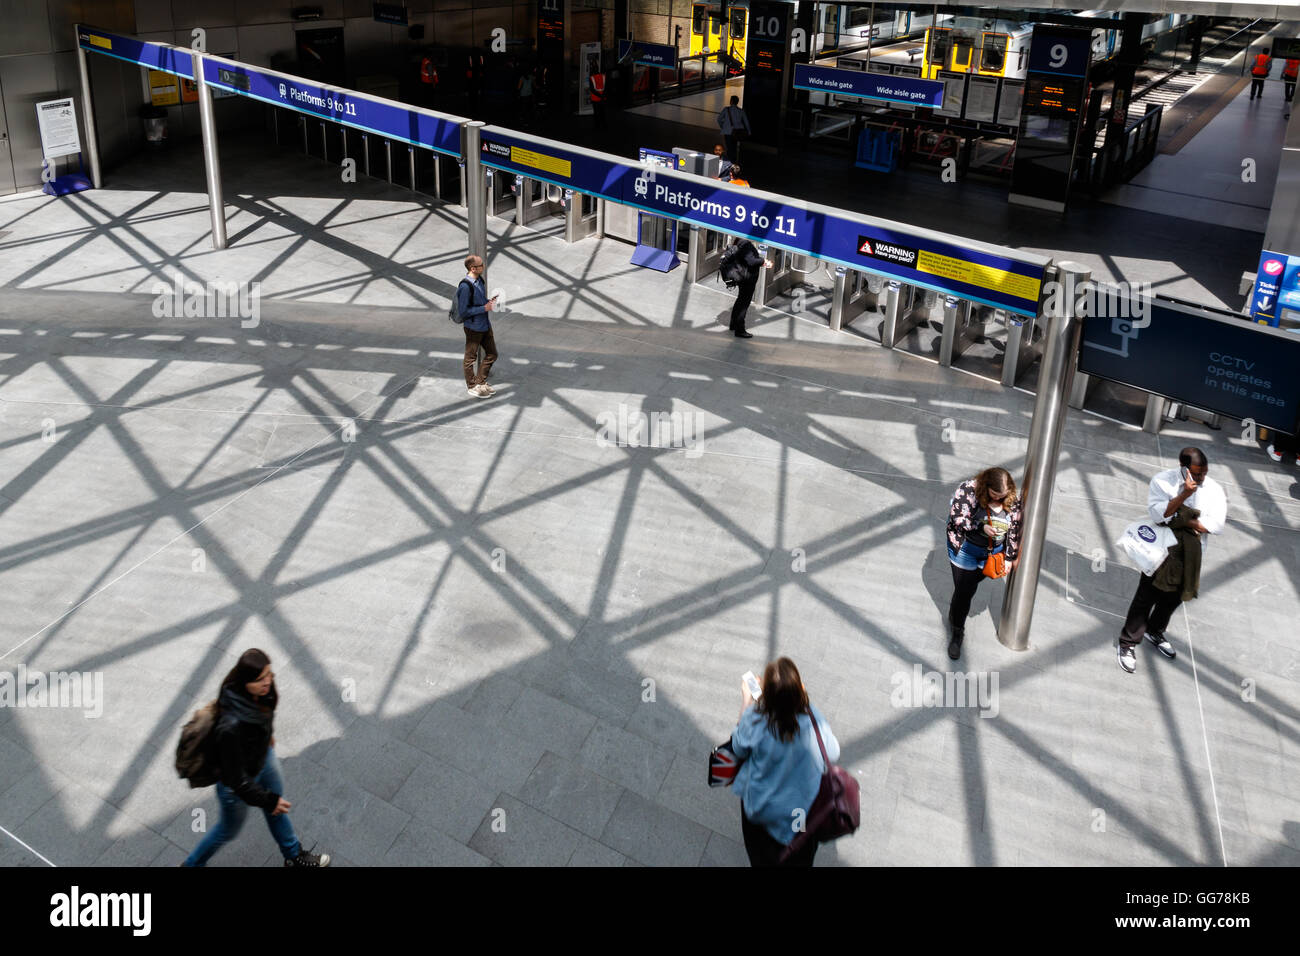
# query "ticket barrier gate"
(584, 216)
(1152, 418)
(500, 193)
(1024, 345)
(906, 307)
(779, 279)
(535, 199)
(854, 293)
(961, 328)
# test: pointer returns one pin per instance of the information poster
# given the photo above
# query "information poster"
(982, 99)
(954, 95)
(57, 120)
(1013, 95)
(164, 89)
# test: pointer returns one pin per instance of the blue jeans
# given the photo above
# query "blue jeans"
(234, 811)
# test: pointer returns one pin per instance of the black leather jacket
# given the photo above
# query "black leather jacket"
(241, 747)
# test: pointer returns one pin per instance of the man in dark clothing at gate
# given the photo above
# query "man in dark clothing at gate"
(749, 260)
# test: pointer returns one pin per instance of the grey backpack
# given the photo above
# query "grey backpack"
(453, 312)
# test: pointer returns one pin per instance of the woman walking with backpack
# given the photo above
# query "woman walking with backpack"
(243, 743)
(983, 533)
(783, 766)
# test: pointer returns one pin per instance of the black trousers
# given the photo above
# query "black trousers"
(964, 585)
(1256, 88)
(765, 851)
(744, 295)
(1149, 612)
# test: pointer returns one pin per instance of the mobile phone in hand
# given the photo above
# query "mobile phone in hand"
(755, 690)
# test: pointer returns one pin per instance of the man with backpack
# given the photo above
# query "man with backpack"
(739, 269)
(471, 307)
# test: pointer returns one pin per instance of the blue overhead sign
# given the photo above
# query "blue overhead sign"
(1216, 361)
(409, 125)
(1268, 287)
(872, 86)
(156, 56)
(870, 245)
(662, 55)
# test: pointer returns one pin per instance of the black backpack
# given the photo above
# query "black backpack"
(731, 270)
(195, 760)
(453, 312)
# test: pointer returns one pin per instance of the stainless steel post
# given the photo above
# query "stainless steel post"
(365, 151)
(343, 134)
(1060, 356)
(324, 142)
(838, 296)
(211, 162)
(388, 159)
(88, 111)
(476, 191)
(760, 287)
(410, 162)
(437, 174)
(694, 249)
(464, 193)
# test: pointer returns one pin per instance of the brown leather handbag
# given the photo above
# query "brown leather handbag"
(836, 811)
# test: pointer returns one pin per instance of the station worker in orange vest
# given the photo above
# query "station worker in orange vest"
(1259, 73)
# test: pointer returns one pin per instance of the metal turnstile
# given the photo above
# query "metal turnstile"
(500, 195)
(583, 216)
(780, 278)
(962, 327)
(906, 307)
(854, 293)
(1024, 346)
(535, 200)
(704, 252)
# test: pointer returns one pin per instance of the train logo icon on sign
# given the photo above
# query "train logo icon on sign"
(282, 91)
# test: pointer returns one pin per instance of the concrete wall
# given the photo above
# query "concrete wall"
(37, 63)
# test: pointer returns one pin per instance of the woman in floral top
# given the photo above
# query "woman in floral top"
(984, 519)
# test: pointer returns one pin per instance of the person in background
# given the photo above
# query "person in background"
(1289, 74)
(984, 518)
(244, 742)
(1193, 505)
(724, 162)
(782, 764)
(734, 124)
(526, 88)
(1259, 73)
(596, 92)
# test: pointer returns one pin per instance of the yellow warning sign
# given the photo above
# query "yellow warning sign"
(164, 89)
(985, 277)
(99, 41)
(547, 164)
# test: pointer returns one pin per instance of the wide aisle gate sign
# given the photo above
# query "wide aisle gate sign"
(971, 270)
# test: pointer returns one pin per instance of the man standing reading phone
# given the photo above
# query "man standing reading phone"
(1192, 505)
(474, 305)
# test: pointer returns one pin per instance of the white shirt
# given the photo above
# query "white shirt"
(1209, 499)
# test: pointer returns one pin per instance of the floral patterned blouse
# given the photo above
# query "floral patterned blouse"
(964, 515)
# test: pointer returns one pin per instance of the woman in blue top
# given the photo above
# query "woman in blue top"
(782, 767)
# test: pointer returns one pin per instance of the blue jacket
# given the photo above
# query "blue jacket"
(476, 316)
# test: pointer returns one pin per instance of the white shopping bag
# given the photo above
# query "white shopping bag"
(1147, 544)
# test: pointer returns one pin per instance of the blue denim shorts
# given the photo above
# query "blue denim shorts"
(971, 557)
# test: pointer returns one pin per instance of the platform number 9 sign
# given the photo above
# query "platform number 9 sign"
(1059, 54)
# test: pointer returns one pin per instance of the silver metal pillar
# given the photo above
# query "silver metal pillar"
(324, 142)
(476, 191)
(957, 330)
(694, 252)
(343, 134)
(410, 162)
(902, 312)
(211, 162)
(87, 110)
(1060, 356)
(388, 159)
(365, 151)
(437, 174)
(464, 194)
(838, 295)
(1155, 414)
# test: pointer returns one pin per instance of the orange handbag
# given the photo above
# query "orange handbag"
(995, 566)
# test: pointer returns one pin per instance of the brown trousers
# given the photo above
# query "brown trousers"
(473, 342)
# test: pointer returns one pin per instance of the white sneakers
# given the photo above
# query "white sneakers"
(483, 390)
(1127, 659)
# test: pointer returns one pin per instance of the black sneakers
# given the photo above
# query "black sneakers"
(954, 646)
(307, 858)
(1162, 644)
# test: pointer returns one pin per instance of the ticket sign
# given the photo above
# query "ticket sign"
(1213, 360)
(974, 271)
(1268, 287)
(417, 127)
(153, 55)
(871, 86)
